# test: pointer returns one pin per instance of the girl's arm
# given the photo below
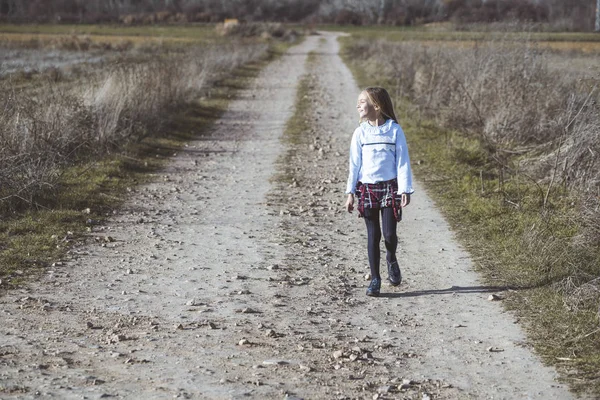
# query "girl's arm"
(349, 203)
(355, 162)
(404, 173)
(354, 165)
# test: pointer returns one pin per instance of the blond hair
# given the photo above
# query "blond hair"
(381, 100)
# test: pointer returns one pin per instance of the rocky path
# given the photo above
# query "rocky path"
(222, 280)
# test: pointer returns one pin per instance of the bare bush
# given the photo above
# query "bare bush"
(36, 135)
(41, 131)
(571, 14)
(252, 29)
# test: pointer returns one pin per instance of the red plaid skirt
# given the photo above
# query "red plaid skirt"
(379, 195)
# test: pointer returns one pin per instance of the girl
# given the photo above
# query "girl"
(380, 177)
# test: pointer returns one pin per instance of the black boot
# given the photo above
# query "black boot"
(394, 275)
(374, 287)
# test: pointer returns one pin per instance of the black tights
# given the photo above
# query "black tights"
(374, 237)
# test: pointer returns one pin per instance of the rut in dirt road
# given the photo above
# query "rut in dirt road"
(226, 281)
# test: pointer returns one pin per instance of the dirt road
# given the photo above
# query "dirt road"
(220, 281)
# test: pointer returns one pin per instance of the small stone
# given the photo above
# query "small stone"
(367, 277)
(494, 297)
(270, 333)
(179, 327)
(129, 271)
(243, 342)
(290, 397)
(495, 349)
(191, 302)
(90, 325)
(118, 338)
(338, 354)
(275, 362)
(273, 267)
(384, 389)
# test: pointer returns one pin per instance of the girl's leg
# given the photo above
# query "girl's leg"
(391, 243)
(389, 233)
(373, 239)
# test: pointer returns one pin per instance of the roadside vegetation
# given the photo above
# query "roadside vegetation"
(73, 145)
(509, 149)
(553, 15)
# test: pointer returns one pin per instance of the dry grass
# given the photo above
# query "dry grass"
(520, 34)
(70, 42)
(582, 47)
(43, 130)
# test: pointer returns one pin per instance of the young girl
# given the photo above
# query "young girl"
(380, 177)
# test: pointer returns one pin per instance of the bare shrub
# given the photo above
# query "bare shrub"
(36, 135)
(253, 29)
(558, 14)
(348, 17)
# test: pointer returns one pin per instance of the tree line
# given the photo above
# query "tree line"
(566, 14)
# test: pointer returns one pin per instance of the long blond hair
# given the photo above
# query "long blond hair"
(381, 100)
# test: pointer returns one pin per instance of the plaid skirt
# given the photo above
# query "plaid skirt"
(379, 195)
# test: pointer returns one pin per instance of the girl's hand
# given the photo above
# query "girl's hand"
(405, 199)
(350, 203)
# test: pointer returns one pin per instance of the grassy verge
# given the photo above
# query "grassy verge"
(199, 31)
(424, 34)
(560, 42)
(518, 238)
(88, 192)
(296, 126)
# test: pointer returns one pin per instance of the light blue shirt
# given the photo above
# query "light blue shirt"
(377, 154)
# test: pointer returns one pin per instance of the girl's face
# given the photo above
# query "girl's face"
(365, 109)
